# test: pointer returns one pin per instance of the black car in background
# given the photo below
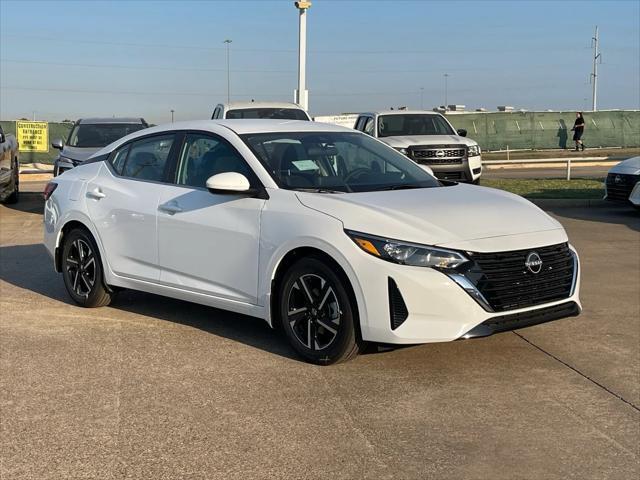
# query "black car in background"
(89, 135)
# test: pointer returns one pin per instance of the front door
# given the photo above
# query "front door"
(208, 242)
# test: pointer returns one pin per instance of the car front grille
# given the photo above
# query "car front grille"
(507, 283)
(438, 154)
(619, 186)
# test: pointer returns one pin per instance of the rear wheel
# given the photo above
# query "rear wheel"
(82, 270)
(317, 314)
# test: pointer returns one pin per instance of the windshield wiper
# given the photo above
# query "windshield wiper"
(318, 190)
(399, 187)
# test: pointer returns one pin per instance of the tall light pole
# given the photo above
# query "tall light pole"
(171, 115)
(228, 43)
(301, 96)
(446, 93)
(421, 98)
(594, 74)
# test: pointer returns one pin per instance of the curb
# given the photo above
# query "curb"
(569, 202)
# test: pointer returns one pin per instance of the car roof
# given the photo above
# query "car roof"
(239, 127)
(401, 112)
(234, 105)
(94, 120)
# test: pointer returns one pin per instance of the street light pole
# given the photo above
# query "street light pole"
(446, 93)
(421, 98)
(171, 116)
(228, 43)
(594, 74)
(301, 96)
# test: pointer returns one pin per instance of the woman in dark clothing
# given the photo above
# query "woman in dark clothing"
(578, 129)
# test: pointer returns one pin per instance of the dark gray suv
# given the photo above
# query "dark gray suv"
(89, 135)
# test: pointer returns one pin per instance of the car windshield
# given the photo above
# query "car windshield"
(274, 113)
(413, 124)
(335, 162)
(93, 135)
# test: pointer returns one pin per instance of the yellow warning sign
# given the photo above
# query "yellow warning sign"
(33, 136)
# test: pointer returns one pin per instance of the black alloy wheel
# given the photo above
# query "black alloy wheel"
(317, 314)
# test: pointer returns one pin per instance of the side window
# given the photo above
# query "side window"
(359, 123)
(368, 127)
(216, 113)
(203, 156)
(118, 159)
(147, 158)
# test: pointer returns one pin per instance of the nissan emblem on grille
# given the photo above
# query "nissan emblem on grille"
(440, 153)
(533, 262)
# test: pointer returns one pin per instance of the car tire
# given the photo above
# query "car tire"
(82, 270)
(13, 198)
(317, 313)
(476, 181)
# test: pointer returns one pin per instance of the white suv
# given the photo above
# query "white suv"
(426, 138)
(260, 110)
(322, 231)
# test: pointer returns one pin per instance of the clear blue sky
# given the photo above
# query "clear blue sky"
(85, 58)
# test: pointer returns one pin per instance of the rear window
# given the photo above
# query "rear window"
(272, 113)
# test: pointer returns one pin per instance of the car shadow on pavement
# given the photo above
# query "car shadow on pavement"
(29, 267)
(615, 214)
(29, 202)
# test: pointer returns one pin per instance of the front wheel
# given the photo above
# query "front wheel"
(82, 270)
(317, 314)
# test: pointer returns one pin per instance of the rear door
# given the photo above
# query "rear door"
(123, 201)
(208, 242)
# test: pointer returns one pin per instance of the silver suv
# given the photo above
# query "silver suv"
(89, 135)
(426, 138)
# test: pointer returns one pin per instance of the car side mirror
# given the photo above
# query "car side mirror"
(229, 183)
(58, 143)
(462, 132)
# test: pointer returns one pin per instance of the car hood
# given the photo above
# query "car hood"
(407, 141)
(630, 166)
(78, 154)
(454, 216)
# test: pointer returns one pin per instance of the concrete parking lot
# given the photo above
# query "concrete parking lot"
(151, 387)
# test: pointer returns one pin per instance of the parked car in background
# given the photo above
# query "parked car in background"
(89, 135)
(318, 229)
(9, 168)
(426, 138)
(623, 182)
(260, 110)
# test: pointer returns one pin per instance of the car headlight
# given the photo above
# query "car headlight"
(474, 150)
(406, 253)
(403, 151)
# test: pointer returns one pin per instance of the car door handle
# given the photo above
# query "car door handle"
(170, 208)
(96, 194)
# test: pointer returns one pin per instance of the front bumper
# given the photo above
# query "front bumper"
(438, 309)
(468, 170)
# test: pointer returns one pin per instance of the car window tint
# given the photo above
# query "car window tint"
(203, 156)
(118, 159)
(368, 127)
(147, 158)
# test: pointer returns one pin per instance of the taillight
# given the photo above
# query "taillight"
(49, 189)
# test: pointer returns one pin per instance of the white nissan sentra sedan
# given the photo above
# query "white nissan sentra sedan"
(322, 231)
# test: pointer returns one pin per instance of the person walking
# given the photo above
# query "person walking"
(578, 129)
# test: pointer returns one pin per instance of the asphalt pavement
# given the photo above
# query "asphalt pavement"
(155, 388)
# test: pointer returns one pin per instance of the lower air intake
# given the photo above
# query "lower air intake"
(397, 308)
